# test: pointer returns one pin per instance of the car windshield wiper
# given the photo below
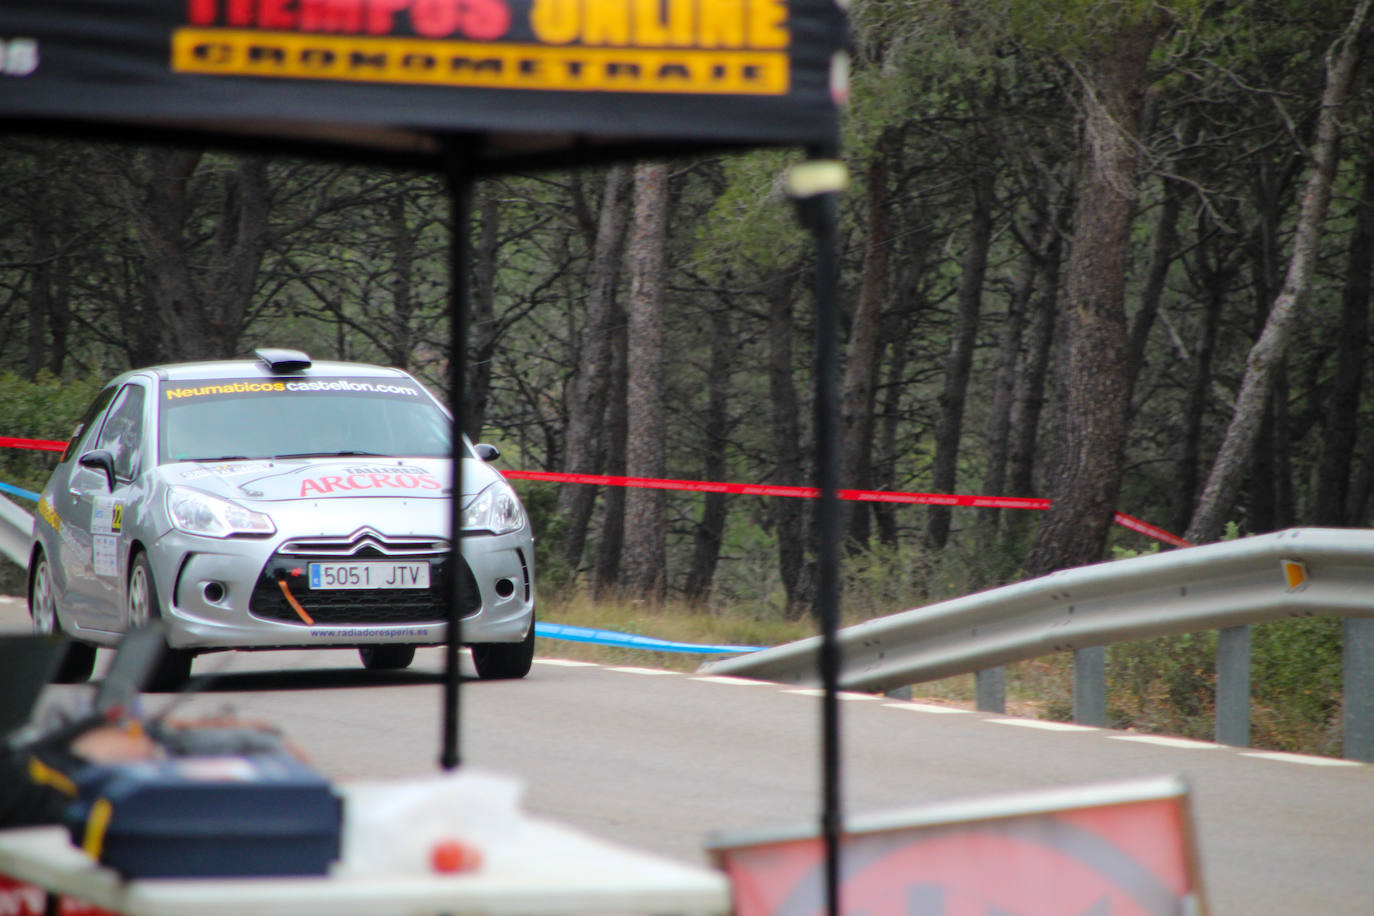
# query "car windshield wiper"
(221, 458)
(343, 454)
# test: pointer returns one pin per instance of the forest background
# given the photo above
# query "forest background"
(1115, 254)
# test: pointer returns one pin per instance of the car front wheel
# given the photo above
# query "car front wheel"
(79, 660)
(175, 665)
(504, 660)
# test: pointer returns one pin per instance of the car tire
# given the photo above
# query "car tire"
(174, 668)
(504, 660)
(386, 658)
(79, 660)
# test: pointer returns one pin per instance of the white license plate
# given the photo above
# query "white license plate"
(371, 574)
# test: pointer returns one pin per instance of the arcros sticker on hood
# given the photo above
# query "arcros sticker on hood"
(352, 481)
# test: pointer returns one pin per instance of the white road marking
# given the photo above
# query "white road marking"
(1163, 741)
(1045, 725)
(934, 709)
(1306, 759)
(927, 707)
(843, 694)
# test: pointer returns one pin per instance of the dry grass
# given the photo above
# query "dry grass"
(1034, 688)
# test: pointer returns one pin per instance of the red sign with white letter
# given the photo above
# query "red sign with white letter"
(1130, 857)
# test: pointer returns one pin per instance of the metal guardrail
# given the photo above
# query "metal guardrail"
(1300, 572)
(16, 532)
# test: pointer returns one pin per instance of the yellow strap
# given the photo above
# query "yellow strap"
(97, 821)
(44, 775)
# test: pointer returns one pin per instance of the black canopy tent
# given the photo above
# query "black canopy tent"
(468, 88)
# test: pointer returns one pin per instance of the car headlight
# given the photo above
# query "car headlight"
(496, 509)
(200, 513)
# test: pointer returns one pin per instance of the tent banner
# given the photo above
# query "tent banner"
(1116, 850)
(723, 71)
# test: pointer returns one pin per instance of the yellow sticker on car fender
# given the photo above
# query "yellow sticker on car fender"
(49, 514)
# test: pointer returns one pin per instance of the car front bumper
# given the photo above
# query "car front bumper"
(207, 592)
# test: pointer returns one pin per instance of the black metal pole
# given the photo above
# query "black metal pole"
(817, 206)
(459, 175)
(828, 477)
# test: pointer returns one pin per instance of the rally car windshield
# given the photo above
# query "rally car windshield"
(231, 419)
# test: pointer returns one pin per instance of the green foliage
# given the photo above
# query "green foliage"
(1163, 685)
(1295, 684)
(1121, 552)
(752, 219)
(44, 408)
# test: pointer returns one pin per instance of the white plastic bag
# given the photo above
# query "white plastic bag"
(393, 827)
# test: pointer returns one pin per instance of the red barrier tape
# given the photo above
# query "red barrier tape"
(46, 445)
(884, 496)
(755, 489)
(1145, 528)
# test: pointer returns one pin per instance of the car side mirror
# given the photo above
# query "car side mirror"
(486, 451)
(100, 460)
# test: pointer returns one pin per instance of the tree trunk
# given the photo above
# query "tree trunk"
(861, 356)
(1004, 379)
(482, 319)
(1219, 496)
(710, 529)
(1343, 404)
(790, 516)
(1032, 375)
(885, 471)
(587, 404)
(1162, 254)
(200, 320)
(399, 342)
(1362, 485)
(1190, 438)
(949, 424)
(41, 283)
(239, 245)
(644, 556)
(612, 533)
(1084, 486)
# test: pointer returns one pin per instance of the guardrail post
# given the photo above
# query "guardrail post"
(1358, 714)
(1090, 686)
(1233, 686)
(991, 690)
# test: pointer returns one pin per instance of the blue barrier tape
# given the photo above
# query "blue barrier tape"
(628, 641)
(27, 494)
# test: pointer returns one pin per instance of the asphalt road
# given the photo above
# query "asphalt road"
(660, 760)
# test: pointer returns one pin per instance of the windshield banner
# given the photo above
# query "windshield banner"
(204, 389)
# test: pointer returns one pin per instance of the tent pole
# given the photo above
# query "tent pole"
(814, 187)
(458, 174)
(828, 586)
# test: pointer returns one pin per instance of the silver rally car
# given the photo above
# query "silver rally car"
(276, 503)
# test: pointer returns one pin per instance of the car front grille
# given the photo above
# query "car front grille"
(365, 539)
(358, 607)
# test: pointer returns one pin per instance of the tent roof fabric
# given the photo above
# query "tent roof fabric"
(521, 80)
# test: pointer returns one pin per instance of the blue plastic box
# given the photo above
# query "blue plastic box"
(241, 815)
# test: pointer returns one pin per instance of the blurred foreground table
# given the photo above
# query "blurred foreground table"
(565, 872)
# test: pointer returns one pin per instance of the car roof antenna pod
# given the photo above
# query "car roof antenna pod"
(283, 360)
